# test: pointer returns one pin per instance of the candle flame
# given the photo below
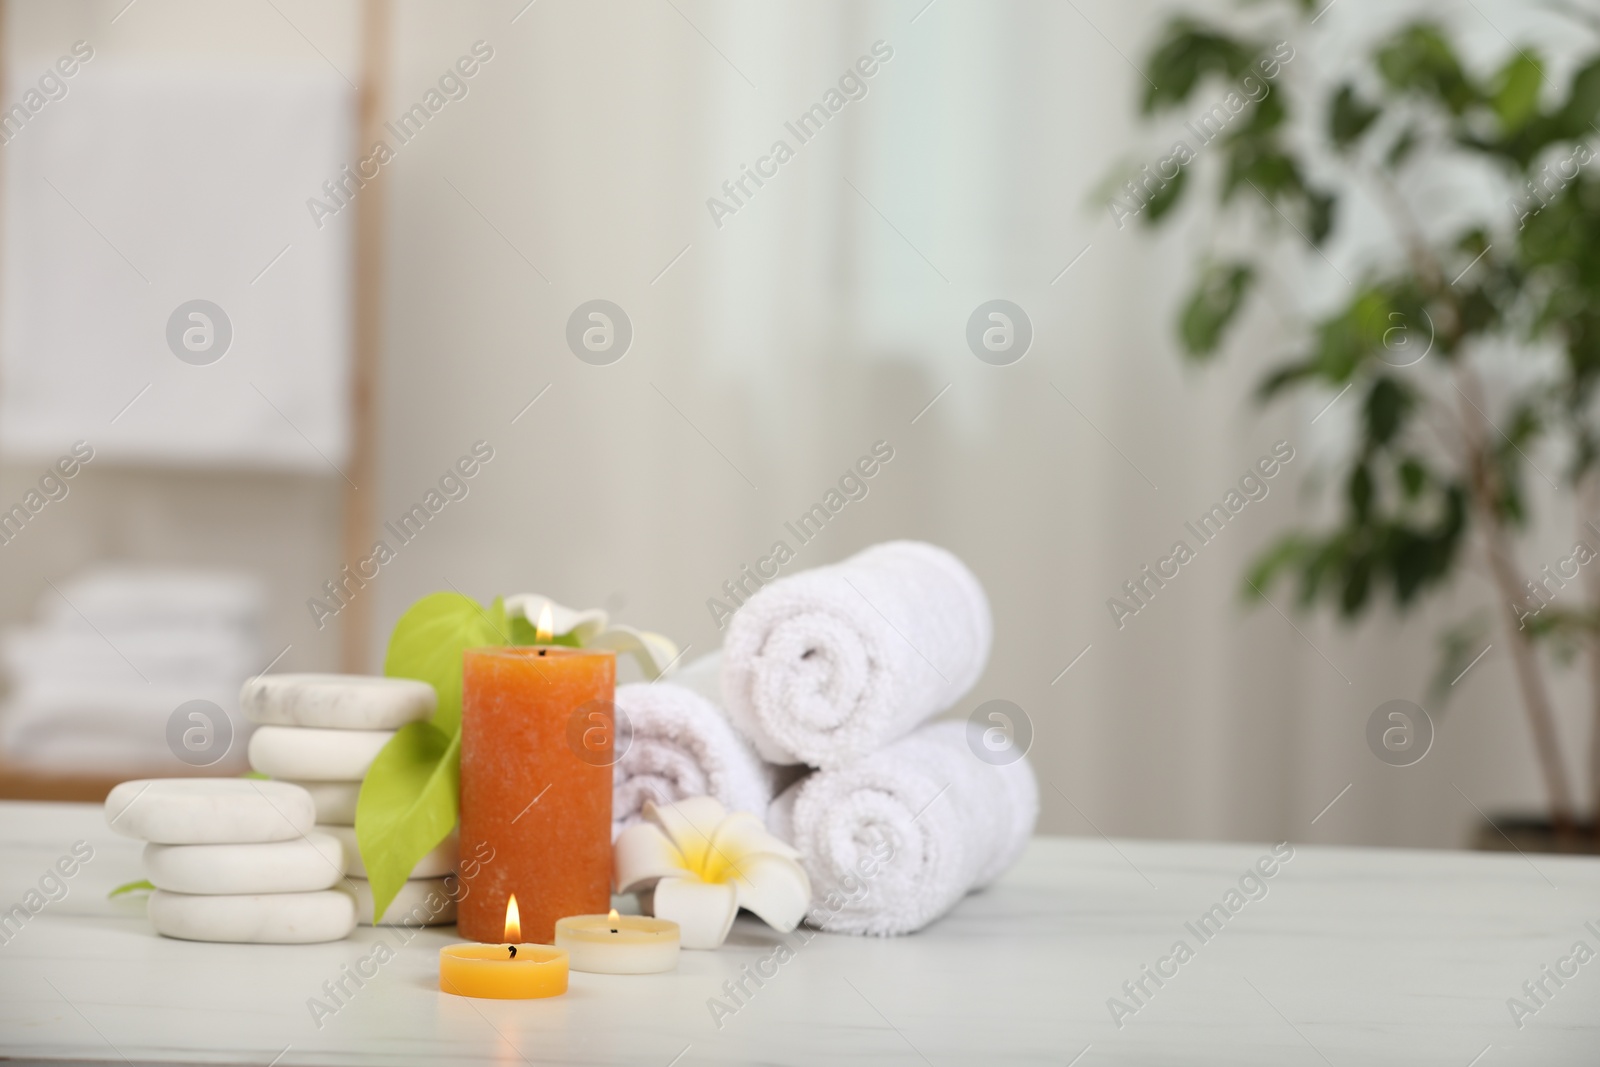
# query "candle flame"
(544, 630)
(614, 917)
(513, 921)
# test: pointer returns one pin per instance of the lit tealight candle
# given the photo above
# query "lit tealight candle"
(510, 971)
(618, 944)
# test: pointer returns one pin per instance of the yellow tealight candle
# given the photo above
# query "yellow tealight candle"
(510, 971)
(618, 944)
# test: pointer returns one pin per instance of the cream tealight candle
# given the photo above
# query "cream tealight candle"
(618, 944)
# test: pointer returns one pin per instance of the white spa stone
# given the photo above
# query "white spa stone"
(441, 861)
(339, 701)
(315, 861)
(208, 811)
(420, 902)
(315, 755)
(335, 801)
(265, 919)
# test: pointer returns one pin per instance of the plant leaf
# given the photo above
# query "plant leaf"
(411, 796)
(1583, 100)
(1401, 149)
(1389, 405)
(1419, 59)
(140, 886)
(1216, 300)
(1186, 55)
(1165, 198)
(1349, 117)
(428, 641)
(409, 802)
(1288, 551)
(1516, 91)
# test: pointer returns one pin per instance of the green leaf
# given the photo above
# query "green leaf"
(411, 796)
(1217, 298)
(1165, 198)
(410, 801)
(1187, 53)
(1349, 117)
(1360, 492)
(1419, 60)
(1583, 101)
(141, 886)
(1290, 550)
(1459, 645)
(1413, 477)
(1319, 215)
(1357, 584)
(1388, 405)
(1403, 146)
(1516, 91)
(428, 641)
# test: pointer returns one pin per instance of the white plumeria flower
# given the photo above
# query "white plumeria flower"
(702, 865)
(592, 629)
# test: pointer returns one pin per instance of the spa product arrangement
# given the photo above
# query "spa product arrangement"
(322, 732)
(412, 798)
(821, 794)
(235, 859)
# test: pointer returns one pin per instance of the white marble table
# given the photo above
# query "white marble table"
(1354, 956)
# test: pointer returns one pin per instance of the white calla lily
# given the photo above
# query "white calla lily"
(653, 652)
(592, 628)
(699, 865)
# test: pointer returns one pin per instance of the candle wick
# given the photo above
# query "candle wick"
(513, 949)
(541, 652)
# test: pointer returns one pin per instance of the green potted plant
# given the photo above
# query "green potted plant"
(1469, 342)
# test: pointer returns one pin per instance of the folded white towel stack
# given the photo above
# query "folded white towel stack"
(116, 652)
(323, 731)
(828, 665)
(234, 860)
(683, 746)
(893, 841)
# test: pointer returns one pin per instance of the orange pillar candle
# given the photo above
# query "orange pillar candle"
(536, 785)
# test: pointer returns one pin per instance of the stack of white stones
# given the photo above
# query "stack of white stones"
(234, 859)
(322, 732)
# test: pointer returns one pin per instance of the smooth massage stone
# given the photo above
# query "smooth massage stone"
(338, 701)
(441, 861)
(312, 862)
(209, 811)
(335, 801)
(315, 755)
(420, 902)
(260, 919)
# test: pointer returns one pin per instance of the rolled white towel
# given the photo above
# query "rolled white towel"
(827, 665)
(683, 746)
(894, 841)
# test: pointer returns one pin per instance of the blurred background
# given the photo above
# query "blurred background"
(358, 337)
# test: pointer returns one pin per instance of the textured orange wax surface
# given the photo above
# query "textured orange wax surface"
(555, 854)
